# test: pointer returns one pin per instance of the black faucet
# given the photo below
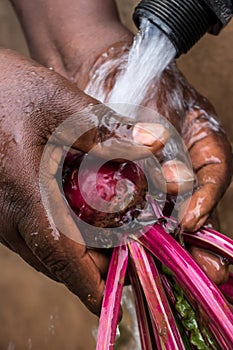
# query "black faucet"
(185, 21)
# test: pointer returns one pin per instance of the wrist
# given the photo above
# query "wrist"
(69, 37)
(79, 59)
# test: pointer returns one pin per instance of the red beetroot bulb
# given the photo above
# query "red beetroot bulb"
(105, 196)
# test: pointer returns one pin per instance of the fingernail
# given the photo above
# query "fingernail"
(201, 222)
(148, 133)
(191, 224)
(176, 171)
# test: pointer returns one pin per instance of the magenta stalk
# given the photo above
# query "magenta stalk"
(190, 277)
(161, 313)
(112, 298)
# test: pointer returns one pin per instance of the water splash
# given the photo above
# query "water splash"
(149, 56)
(96, 86)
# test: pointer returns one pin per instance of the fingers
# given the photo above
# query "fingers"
(179, 178)
(52, 235)
(101, 260)
(17, 244)
(212, 264)
(132, 141)
(106, 134)
(194, 212)
(75, 119)
(172, 177)
(55, 240)
(64, 258)
(212, 162)
(211, 158)
(213, 179)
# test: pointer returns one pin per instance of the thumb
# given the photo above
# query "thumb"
(76, 120)
(54, 239)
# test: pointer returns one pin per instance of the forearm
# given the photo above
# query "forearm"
(63, 34)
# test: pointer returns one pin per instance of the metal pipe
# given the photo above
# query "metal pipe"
(185, 21)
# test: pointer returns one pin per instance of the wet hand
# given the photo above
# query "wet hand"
(196, 122)
(211, 156)
(205, 140)
(34, 102)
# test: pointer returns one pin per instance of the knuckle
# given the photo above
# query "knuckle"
(113, 125)
(10, 204)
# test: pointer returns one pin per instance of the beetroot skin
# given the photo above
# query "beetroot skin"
(110, 196)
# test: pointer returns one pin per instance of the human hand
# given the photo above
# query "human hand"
(206, 141)
(34, 101)
(195, 120)
(75, 54)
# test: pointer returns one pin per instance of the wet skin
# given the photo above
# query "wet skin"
(35, 100)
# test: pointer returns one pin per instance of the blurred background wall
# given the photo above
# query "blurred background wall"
(36, 313)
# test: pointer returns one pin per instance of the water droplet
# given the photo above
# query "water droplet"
(145, 63)
(51, 325)
(118, 332)
(34, 233)
(28, 109)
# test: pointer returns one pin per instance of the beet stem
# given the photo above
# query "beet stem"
(112, 297)
(144, 322)
(212, 240)
(162, 316)
(191, 278)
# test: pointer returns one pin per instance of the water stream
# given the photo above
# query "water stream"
(149, 55)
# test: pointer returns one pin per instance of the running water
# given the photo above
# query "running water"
(150, 54)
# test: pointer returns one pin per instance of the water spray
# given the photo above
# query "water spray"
(184, 22)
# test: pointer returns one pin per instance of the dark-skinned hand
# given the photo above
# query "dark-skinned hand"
(34, 101)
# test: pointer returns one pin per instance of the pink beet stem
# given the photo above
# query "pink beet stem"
(227, 288)
(112, 298)
(212, 240)
(190, 277)
(156, 298)
(145, 331)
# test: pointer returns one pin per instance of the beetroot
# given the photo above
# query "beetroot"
(107, 197)
(171, 290)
